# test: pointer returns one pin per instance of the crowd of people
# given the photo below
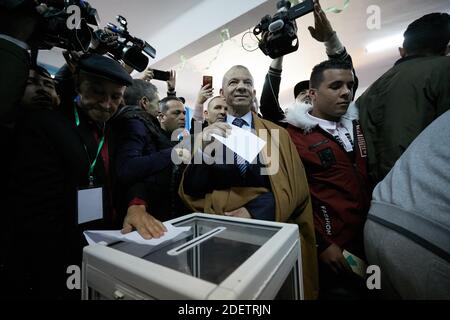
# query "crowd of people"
(368, 178)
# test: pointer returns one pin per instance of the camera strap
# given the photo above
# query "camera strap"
(33, 57)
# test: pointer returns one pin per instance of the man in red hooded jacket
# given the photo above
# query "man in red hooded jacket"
(332, 147)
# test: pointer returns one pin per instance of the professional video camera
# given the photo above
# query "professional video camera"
(53, 30)
(279, 34)
(56, 32)
(128, 48)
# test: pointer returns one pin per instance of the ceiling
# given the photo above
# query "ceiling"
(188, 37)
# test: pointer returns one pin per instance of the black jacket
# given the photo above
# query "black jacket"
(14, 68)
(144, 165)
(51, 164)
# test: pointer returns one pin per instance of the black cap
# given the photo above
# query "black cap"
(182, 99)
(104, 67)
(299, 87)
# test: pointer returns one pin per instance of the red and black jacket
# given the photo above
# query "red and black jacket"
(339, 186)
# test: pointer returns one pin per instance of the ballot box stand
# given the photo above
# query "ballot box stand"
(220, 257)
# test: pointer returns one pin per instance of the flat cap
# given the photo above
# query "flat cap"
(105, 67)
(299, 87)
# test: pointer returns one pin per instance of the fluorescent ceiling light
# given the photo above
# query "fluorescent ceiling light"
(394, 41)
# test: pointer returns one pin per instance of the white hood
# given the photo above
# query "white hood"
(296, 116)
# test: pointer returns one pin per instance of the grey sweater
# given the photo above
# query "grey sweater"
(414, 198)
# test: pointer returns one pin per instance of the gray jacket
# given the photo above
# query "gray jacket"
(414, 198)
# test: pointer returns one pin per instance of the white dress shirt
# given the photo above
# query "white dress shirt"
(247, 117)
(337, 130)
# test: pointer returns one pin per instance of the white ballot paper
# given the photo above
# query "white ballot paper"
(116, 235)
(243, 142)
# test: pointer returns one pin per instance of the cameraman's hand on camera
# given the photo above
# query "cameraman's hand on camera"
(72, 58)
(109, 41)
(146, 225)
(171, 83)
(322, 30)
(148, 75)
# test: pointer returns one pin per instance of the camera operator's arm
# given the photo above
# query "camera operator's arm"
(269, 105)
(65, 81)
(323, 32)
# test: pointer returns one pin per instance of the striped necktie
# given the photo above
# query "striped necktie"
(239, 161)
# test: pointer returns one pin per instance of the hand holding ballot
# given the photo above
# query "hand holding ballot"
(245, 143)
(146, 225)
(220, 129)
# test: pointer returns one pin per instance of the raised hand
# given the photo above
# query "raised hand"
(322, 30)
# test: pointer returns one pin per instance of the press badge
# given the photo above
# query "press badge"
(90, 205)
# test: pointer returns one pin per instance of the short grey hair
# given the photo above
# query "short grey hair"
(138, 90)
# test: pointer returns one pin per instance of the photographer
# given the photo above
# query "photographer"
(18, 22)
(322, 32)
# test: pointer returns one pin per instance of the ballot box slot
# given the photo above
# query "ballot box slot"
(195, 242)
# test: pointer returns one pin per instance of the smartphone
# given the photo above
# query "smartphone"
(161, 75)
(208, 80)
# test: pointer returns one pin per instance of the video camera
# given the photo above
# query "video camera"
(53, 30)
(56, 32)
(128, 49)
(279, 34)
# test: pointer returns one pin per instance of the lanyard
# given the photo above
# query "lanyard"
(99, 149)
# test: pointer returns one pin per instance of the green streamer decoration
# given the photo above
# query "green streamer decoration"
(225, 33)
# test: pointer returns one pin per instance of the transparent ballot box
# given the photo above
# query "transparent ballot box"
(217, 258)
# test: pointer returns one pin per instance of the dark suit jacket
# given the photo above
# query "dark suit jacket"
(144, 165)
(51, 164)
(14, 66)
(201, 179)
